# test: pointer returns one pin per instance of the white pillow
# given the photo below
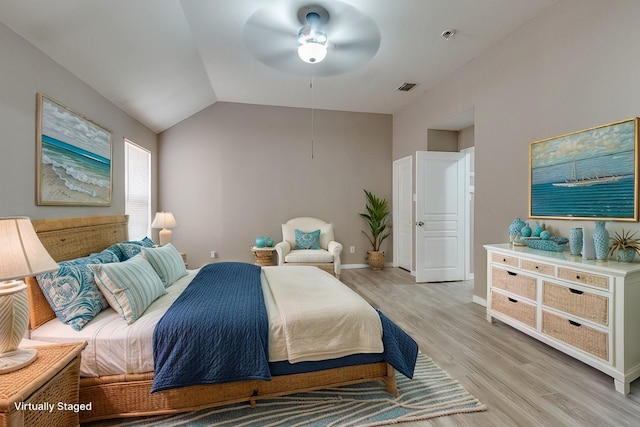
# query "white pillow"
(129, 286)
(167, 262)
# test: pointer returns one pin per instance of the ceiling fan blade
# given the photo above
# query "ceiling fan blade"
(271, 36)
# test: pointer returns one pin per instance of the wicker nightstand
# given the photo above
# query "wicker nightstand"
(44, 393)
(264, 256)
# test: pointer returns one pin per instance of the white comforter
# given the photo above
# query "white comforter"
(313, 316)
(308, 297)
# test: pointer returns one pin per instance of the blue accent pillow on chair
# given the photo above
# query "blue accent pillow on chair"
(307, 240)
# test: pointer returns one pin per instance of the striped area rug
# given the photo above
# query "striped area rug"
(431, 393)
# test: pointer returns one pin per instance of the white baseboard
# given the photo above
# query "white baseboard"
(352, 266)
(480, 301)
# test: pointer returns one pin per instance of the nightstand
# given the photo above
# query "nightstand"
(184, 259)
(264, 256)
(45, 392)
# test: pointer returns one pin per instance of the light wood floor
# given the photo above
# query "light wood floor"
(522, 381)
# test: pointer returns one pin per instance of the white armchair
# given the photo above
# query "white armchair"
(327, 252)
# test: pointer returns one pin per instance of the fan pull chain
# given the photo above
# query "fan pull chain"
(312, 117)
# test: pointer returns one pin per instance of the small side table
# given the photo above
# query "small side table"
(45, 392)
(264, 256)
(184, 259)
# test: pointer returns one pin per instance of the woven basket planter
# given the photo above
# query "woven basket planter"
(375, 260)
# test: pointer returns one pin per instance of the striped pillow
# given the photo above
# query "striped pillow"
(167, 262)
(129, 286)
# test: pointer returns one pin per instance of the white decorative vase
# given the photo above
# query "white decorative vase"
(14, 320)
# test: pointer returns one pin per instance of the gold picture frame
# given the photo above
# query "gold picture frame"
(73, 157)
(589, 175)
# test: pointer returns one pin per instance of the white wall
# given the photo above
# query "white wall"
(26, 71)
(572, 68)
(234, 172)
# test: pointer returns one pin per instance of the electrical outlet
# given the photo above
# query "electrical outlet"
(352, 249)
(214, 254)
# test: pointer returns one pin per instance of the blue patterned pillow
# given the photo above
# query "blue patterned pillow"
(72, 292)
(127, 250)
(307, 240)
(129, 286)
(167, 262)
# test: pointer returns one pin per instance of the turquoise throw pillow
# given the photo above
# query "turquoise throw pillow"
(167, 262)
(129, 286)
(307, 240)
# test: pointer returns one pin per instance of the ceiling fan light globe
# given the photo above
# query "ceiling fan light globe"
(312, 52)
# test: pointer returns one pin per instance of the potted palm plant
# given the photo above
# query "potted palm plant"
(624, 246)
(376, 216)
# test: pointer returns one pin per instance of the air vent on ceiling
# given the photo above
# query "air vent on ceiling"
(406, 87)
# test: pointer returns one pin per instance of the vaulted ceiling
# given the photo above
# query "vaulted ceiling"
(163, 60)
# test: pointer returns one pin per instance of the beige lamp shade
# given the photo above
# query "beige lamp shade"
(21, 255)
(165, 221)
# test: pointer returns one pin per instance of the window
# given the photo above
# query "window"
(138, 189)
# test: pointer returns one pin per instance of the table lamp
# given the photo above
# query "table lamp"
(21, 255)
(164, 220)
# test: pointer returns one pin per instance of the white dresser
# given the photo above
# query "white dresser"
(585, 308)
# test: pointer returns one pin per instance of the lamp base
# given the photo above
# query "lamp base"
(165, 236)
(14, 360)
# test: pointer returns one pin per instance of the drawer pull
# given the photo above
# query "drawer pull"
(511, 273)
(575, 291)
(574, 323)
(577, 277)
(513, 300)
(504, 260)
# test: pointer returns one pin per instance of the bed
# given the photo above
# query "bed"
(128, 395)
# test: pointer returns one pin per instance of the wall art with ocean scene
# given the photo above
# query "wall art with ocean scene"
(74, 157)
(590, 174)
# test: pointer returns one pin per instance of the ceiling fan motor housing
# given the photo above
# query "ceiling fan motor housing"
(312, 37)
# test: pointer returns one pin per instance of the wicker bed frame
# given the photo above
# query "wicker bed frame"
(130, 395)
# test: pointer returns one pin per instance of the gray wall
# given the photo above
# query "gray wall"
(26, 71)
(233, 172)
(572, 68)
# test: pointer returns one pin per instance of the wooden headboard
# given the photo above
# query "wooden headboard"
(69, 238)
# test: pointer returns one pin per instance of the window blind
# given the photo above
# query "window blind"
(138, 190)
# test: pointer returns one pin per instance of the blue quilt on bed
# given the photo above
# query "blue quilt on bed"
(216, 331)
(223, 308)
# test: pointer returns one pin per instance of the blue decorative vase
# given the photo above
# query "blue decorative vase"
(626, 255)
(515, 231)
(268, 242)
(575, 241)
(260, 242)
(537, 230)
(601, 241)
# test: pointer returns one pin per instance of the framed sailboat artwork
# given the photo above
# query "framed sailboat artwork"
(590, 174)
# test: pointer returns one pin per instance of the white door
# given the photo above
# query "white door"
(440, 216)
(402, 213)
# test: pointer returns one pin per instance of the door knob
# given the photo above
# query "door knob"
(419, 223)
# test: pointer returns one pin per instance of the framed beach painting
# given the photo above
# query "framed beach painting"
(590, 174)
(74, 157)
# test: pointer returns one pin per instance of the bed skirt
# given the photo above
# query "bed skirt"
(119, 396)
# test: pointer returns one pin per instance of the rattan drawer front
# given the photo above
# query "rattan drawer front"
(505, 259)
(583, 278)
(519, 310)
(516, 283)
(582, 304)
(581, 336)
(538, 267)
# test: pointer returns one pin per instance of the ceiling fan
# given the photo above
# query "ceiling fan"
(320, 39)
